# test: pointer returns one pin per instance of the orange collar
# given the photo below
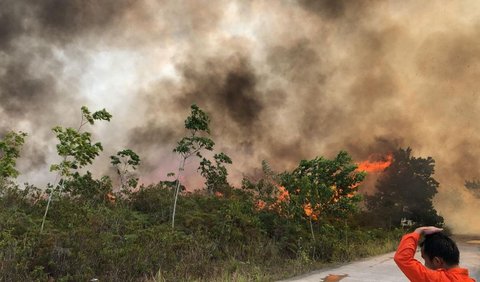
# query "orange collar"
(457, 270)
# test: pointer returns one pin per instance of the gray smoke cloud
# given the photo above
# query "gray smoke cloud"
(282, 81)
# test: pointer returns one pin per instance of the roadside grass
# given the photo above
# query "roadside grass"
(278, 268)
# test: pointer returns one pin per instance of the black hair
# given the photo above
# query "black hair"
(440, 245)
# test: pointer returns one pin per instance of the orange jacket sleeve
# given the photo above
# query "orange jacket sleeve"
(404, 258)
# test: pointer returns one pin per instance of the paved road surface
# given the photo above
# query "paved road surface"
(383, 268)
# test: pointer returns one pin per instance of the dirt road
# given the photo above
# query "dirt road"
(383, 268)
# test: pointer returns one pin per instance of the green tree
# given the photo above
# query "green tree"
(405, 190)
(216, 174)
(10, 147)
(125, 162)
(75, 146)
(324, 188)
(76, 149)
(264, 185)
(87, 189)
(197, 140)
(318, 192)
(197, 124)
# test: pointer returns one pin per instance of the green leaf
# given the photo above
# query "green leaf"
(10, 146)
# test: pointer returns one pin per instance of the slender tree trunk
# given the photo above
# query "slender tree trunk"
(82, 123)
(313, 237)
(346, 233)
(177, 189)
(49, 201)
(311, 228)
(46, 211)
(122, 184)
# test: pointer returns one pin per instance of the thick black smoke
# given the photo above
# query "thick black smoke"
(281, 80)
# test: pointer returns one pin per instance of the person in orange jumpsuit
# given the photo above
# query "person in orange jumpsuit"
(440, 253)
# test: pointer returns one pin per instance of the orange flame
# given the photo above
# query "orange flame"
(375, 166)
(308, 209)
(310, 212)
(260, 205)
(354, 186)
(110, 197)
(283, 195)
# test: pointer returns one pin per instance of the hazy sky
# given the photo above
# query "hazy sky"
(282, 80)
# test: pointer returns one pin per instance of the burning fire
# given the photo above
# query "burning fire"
(375, 166)
(310, 212)
(282, 196)
(110, 197)
(260, 205)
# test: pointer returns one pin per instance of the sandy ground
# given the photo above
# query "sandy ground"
(383, 268)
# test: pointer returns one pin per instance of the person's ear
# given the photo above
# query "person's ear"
(437, 262)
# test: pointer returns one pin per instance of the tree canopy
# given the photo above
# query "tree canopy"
(405, 190)
(10, 146)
